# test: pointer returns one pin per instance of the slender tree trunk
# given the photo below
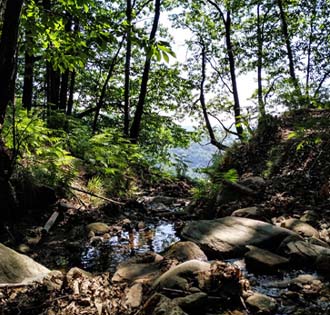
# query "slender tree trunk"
(64, 91)
(136, 125)
(8, 45)
(128, 68)
(28, 73)
(231, 57)
(100, 102)
(261, 103)
(232, 67)
(71, 92)
(288, 47)
(203, 104)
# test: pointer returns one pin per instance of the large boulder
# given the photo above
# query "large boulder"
(261, 303)
(19, 268)
(228, 236)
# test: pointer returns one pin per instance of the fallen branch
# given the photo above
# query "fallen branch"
(97, 196)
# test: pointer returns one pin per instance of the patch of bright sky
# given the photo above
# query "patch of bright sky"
(246, 83)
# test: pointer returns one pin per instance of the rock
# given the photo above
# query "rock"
(159, 304)
(310, 217)
(251, 212)
(256, 183)
(322, 264)
(98, 228)
(228, 236)
(300, 227)
(75, 273)
(262, 261)
(23, 248)
(134, 295)
(302, 252)
(262, 303)
(193, 303)
(183, 251)
(54, 280)
(130, 272)
(175, 278)
(19, 268)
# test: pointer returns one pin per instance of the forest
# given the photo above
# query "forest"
(105, 106)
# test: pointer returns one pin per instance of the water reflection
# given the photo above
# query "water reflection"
(106, 255)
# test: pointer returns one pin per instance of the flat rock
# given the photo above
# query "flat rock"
(19, 268)
(302, 252)
(300, 227)
(183, 251)
(263, 261)
(250, 212)
(130, 272)
(98, 228)
(262, 303)
(228, 236)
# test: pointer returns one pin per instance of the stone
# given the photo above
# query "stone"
(159, 304)
(54, 280)
(19, 268)
(175, 278)
(322, 264)
(263, 261)
(134, 295)
(310, 217)
(193, 303)
(130, 272)
(300, 227)
(98, 228)
(262, 303)
(256, 183)
(302, 252)
(228, 236)
(250, 212)
(183, 251)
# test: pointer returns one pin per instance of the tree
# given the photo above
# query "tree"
(135, 127)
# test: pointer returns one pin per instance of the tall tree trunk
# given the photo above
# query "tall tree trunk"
(71, 93)
(288, 47)
(100, 102)
(209, 128)
(64, 91)
(128, 68)
(231, 57)
(136, 125)
(28, 74)
(261, 104)
(8, 45)
(232, 66)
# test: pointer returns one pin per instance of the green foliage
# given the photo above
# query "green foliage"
(96, 186)
(37, 149)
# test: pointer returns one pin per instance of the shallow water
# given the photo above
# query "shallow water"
(107, 255)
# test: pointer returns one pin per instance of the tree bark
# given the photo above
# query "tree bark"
(71, 92)
(8, 45)
(100, 102)
(128, 68)
(261, 104)
(232, 66)
(209, 128)
(288, 47)
(136, 125)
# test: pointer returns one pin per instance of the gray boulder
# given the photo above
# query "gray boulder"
(228, 236)
(19, 268)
